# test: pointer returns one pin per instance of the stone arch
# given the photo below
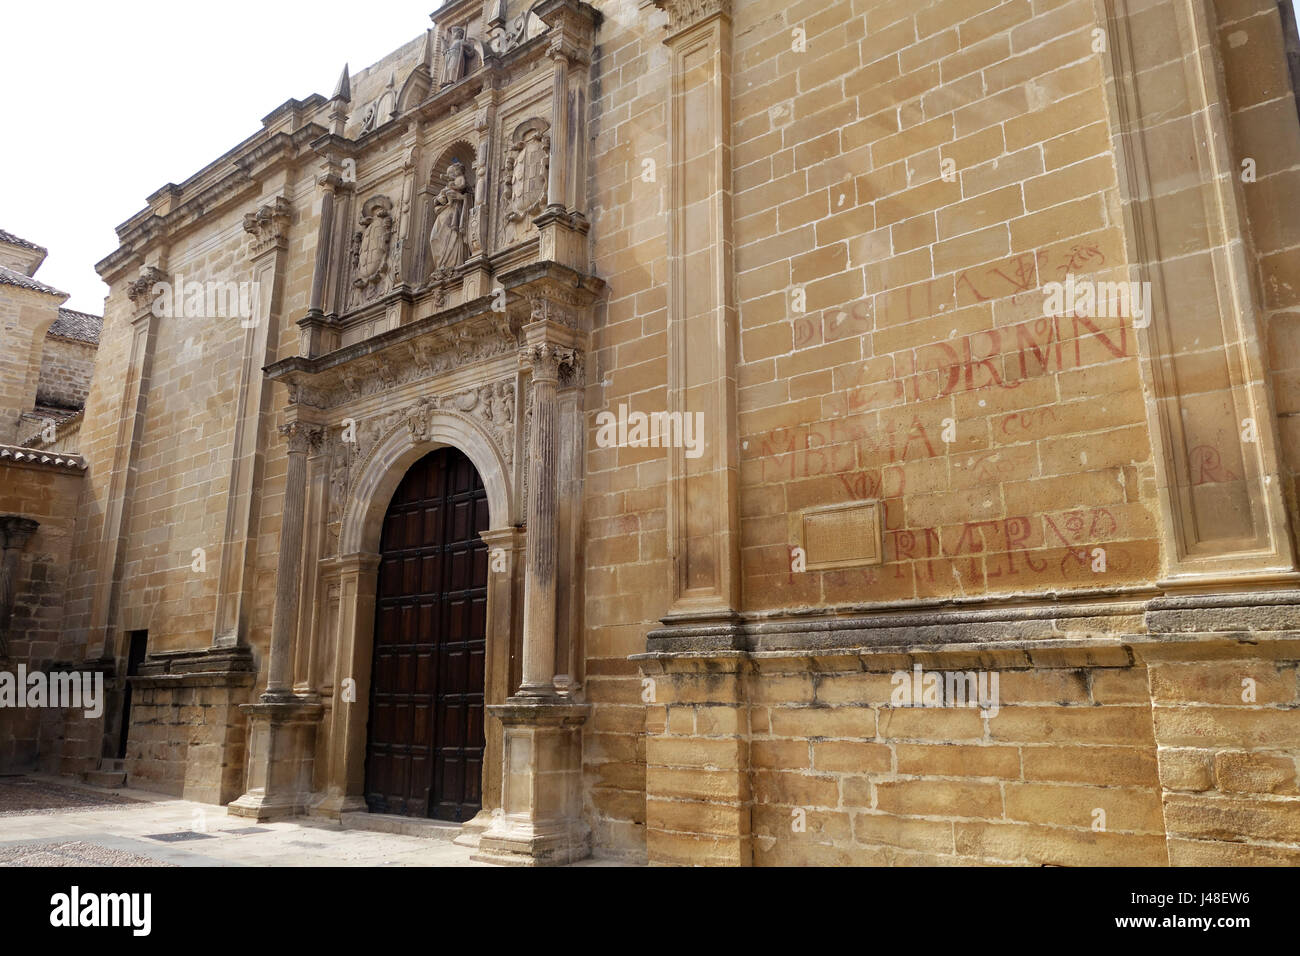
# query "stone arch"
(393, 456)
(354, 572)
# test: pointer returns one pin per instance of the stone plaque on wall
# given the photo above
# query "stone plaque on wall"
(841, 536)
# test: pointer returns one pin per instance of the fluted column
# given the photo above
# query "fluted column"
(555, 191)
(284, 624)
(540, 556)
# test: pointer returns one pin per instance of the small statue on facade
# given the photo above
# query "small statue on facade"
(457, 58)
(447, 238)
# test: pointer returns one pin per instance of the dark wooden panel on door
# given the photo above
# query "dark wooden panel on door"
(425, 751)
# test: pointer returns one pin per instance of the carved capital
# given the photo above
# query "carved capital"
(269, 226)
(547, 361)
(303, 437)
(141, 292)
(684, 14)
(15, 530)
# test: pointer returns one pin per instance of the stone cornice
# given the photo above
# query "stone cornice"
(229, 180)
(1120, 624)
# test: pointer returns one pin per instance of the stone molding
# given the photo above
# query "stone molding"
(684, 14)
(268, 227)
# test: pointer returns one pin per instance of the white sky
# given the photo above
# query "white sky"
(110, 101)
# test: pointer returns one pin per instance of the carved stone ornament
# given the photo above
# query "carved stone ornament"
(546, 308)
(527, 169)
(547, 360)
(460, 53)
(371, 247)
(141, 291)
(512, 34)
(269, 226)
(686, 13)
(492, 405)
(302, 437)
(447, 237)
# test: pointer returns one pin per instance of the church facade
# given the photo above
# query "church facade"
(723, 432)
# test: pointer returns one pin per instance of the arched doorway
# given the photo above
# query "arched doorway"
(424, 752)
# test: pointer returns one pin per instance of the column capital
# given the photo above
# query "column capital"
(144, 290)
(684, 14)
(302, 436)
(547, 360)
(269, 226)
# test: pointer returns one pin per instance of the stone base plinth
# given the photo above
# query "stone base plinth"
(540, 823)
(281, 754)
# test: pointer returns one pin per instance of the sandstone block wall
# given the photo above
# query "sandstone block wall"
(25, 317)
(27, 737)
(187, 738)
(67, 366)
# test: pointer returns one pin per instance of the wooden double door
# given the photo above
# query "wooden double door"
(424, 754)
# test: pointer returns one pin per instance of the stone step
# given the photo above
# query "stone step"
(109, 779)
(439, 830)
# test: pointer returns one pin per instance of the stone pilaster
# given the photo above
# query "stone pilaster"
(143, 292)
(563, 224)
(268, 230)
(356, 577)
(703, 493)
(540, 818)
(1213, 429)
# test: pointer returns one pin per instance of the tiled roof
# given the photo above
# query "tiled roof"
(13, 240)
(64, 460)
(81, 326)
(9, 277)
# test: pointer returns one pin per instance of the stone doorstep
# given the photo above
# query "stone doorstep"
(438, 830)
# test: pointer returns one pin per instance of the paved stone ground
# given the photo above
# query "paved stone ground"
(52, 822)
(29, 795)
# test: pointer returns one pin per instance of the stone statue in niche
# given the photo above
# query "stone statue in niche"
(447, 238)
(456, 61)
(370, 245)
(528, 165)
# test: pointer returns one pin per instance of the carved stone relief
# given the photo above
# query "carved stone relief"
(269, 226)
(524, 179)
(370, 250)
(492, 405)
